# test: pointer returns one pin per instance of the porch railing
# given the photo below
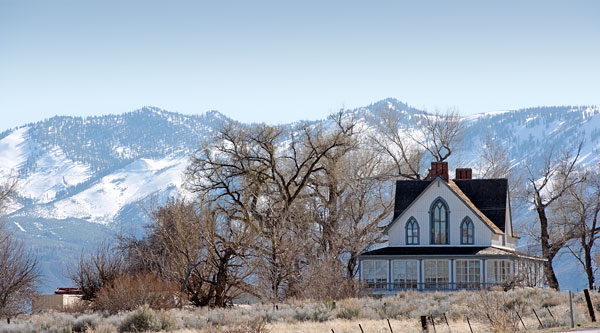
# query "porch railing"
(443, 286)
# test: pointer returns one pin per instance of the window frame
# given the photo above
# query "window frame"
(412, 221)
(501, 270)
(375, 281)
(432, 221)
(472, 269)
(470, 227)
(436, 282)
(407, 282)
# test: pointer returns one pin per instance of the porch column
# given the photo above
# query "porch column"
(389, 286)
(452, 275)
(484, 274)
(359, 271)
(421, 282)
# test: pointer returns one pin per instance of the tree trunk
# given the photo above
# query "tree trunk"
(351, 266)
(547, 251)
(221, 280)
(589, 269)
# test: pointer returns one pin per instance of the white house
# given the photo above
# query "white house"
(449, 234)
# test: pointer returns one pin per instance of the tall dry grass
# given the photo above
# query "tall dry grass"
(487, 311)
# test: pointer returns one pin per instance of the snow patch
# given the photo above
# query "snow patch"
(20, 227)
(13, 152)
(53, 172)
(101, 202)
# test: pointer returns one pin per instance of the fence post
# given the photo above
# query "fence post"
(571, 308)
(551, 315)
(446, 319)
(390, 325)
(432, 323)
(424, 324)
(468, 322)
(361, 328)
(521, 319)
(590, 306)
(538, 318)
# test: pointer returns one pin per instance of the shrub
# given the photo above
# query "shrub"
(85, 323)
(145, 319)
(502, 309)
(349, 309)
(126, 293)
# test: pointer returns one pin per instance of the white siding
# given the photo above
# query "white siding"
(458, 211)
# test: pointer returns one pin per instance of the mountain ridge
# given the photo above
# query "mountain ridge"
(98, 174)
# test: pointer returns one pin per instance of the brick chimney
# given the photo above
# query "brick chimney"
(438, 169)
(463, 173)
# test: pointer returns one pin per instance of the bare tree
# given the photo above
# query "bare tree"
(440, 133)
(437, 135)
(494, 161)
(199, 248)
(579, 210)
(7, 191)
(259, 176)
(546, 185)
(18, 266)
(392, 141)
(97, 269)
(357, 192)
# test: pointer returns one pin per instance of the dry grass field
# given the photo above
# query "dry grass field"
(493, 311)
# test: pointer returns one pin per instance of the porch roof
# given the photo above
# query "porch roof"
(425, 250)
(446, 251)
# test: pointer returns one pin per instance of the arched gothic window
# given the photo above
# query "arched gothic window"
(439, 222)
(466, 231)
(412, 232)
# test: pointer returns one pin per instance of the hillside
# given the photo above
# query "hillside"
(83, 179)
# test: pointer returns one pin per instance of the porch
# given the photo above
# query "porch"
(386, 272)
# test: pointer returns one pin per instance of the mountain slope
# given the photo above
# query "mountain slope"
(83, 179)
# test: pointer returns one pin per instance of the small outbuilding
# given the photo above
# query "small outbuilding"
(62, 299)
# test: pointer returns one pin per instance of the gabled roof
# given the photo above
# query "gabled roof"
(476, 209)
(485, 197)
(488, 195)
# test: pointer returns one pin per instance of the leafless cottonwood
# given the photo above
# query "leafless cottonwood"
(356, 191)
(494, 160)
(199, 248)
(392, 141)
(557, 175)
(19, 270)
(7, 190)
(435, 135)
(96, 269)
(579, 210)
(440, 133)
(259, 175)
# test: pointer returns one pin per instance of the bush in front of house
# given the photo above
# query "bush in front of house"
(144, 319)
(127, 293)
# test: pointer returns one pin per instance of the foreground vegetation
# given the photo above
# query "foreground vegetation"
(486, 311)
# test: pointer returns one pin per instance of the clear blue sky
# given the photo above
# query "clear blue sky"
(279, 61)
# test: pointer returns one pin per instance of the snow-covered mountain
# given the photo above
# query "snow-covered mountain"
(83, 179)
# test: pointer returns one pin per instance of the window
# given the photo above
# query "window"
(412, 232)
(498, 271)
(375, 273)
(405, 273)
(468, 274)
(439, 222)
(466, 231)
(436, 274)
